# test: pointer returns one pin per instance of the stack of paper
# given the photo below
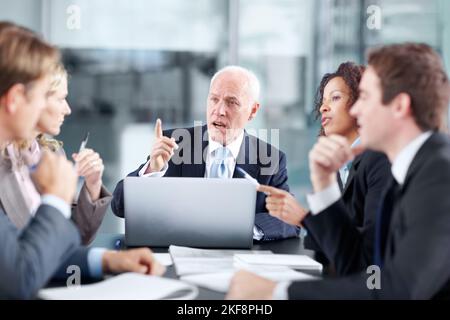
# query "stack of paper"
(127, 286)
(163, 258)
(300, 262)
(220, 281)
(194, 261)
(213, 269)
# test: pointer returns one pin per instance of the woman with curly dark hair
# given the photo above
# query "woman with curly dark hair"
(337, 92)
(361, 181)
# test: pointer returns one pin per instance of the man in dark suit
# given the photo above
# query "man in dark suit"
(31, 256)
(403, 96)
(214, 150)
(368, 175)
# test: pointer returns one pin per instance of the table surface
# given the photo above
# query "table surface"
(287, 246)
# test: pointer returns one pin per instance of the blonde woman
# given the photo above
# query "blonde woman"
(30, 257)
(88, 211)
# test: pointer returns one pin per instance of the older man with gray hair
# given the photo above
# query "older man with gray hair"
(232, 102)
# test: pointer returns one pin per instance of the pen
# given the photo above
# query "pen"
(84, 142)
(118, 244)
(33, 167)
(82, 146)
(248, 177)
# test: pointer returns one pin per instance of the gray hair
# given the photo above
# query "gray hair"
(252, 80)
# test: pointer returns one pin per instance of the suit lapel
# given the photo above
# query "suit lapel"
(247, 160)
(388, 203)
(351, 174)
(11, 197)
(341, 187)
(427, 148)
(197, 167)
(422, 154)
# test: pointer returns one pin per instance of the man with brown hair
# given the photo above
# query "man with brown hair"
(403, 95)
(31, 256)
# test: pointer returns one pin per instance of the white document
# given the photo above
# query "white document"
(163, 258)
(301, 262)
(127, 286)
(221, 281)
(218, 281)
(194, 261)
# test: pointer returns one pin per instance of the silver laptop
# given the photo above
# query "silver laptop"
(196, 212)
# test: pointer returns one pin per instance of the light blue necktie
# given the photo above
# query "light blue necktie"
(344, 172)
(218, 168)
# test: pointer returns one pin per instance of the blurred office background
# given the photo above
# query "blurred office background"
(132, 61)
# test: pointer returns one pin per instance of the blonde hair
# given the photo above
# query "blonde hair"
(24, 56)
(20, 145)
(49, 143)
(58, 75)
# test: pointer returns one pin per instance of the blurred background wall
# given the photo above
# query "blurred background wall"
(132, 61)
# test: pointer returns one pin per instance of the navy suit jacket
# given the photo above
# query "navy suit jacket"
(40, 252)
(269, 171)
(368, 176)
(416, 254)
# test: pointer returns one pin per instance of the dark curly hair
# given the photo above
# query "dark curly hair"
(351, 73)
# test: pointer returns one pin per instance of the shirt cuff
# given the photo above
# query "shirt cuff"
(258, 234)
(58, 203)
(94, 260)
(281, 291)
(158, 174)
(321, 200)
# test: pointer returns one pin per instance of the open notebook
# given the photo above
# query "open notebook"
(127, 286)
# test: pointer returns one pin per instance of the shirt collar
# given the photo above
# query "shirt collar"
(234, 146)
(13, 155)
(347, 165)
(403, 160)
(34, 153)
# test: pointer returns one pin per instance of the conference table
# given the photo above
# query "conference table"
(287, 246)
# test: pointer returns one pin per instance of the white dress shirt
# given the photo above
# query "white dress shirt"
(325, 198)
(404, 159)
(344, 171)
(230, 162)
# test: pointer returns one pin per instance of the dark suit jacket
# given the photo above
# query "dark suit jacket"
(416, 255)
(194, 141)
(367, 178)
(42, 249)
